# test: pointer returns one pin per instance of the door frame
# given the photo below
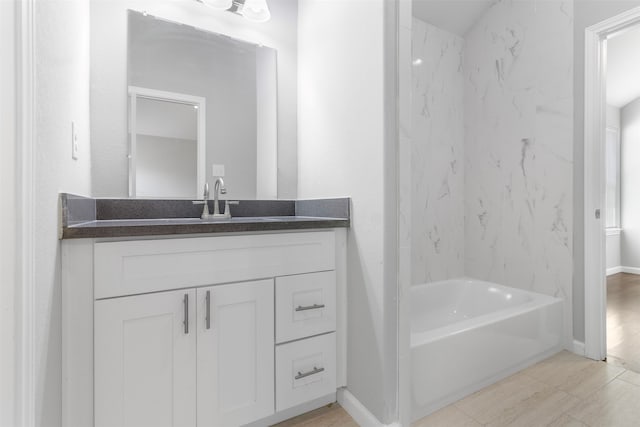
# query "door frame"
(199, 102)
(595, 297)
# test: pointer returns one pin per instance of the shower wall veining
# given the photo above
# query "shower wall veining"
(505, 214)
(519, 148)
(437, 160)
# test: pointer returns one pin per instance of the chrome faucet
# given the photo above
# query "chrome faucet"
(218, 188)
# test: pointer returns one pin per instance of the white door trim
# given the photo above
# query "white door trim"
(594, 187)
(25, 289)
(199, 102)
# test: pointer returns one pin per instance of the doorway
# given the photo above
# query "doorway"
(610, 289)
(622, 204)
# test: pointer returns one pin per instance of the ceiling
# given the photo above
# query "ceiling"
(456, 16)
(623, 68)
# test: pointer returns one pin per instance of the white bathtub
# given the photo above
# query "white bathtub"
(467, 334)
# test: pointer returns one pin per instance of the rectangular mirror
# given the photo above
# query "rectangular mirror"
(201, 105)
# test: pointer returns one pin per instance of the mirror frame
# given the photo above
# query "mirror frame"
(136, 92)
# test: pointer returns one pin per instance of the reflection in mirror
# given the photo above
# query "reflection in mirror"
(167, 144)
(237, 80)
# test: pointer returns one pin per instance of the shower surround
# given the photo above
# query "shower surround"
(437, 155)
(510, 220)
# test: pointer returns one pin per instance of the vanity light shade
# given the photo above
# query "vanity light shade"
(218, 4)
(256, 10)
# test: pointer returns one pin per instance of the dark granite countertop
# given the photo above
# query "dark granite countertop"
(83, 217)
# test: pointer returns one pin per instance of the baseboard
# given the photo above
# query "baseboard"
(614, 270)
(630, 270)
(358, 412)
(578, 348)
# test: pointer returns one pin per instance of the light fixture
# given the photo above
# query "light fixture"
(218, 4)
(256, 10)
(252, 10)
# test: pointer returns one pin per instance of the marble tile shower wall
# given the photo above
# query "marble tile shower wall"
(437, 160)
(518, 147)
(492, 152)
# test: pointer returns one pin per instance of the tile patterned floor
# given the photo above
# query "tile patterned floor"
(565, 390)
(327, 416)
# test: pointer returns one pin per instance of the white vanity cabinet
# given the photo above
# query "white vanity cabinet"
(235, 353)
(148, 349)
(145, 370)
(202, 331)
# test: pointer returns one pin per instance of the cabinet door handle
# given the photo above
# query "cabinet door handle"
(309, 307)
(307, 374)
(208, 309)
(185, 303)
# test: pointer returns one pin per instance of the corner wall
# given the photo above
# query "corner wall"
(61, 96)
(518, 148)
(341, 113)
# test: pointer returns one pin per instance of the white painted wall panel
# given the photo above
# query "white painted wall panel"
(340, 152)
(61, 96)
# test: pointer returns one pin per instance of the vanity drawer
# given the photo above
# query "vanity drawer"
(137, 267)
(305, 305)
(305, 370)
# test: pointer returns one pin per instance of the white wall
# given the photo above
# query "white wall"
(340, 152)
(62, 95)
(165, 167)
(7, 213)
(630, 180)
(109, 73)
(614, 259)
(585, 14)
(518, 148)
(437, 160)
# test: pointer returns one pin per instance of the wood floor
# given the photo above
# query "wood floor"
(623, 320)
(327, 416)
(564, 390)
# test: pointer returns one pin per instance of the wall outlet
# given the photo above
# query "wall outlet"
(217, 170)
(74, 141)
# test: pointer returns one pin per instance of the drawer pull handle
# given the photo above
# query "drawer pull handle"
(308, 374)
(185, 302)
(309, 307)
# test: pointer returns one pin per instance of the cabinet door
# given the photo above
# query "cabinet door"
(235, 353)
(145, 360)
